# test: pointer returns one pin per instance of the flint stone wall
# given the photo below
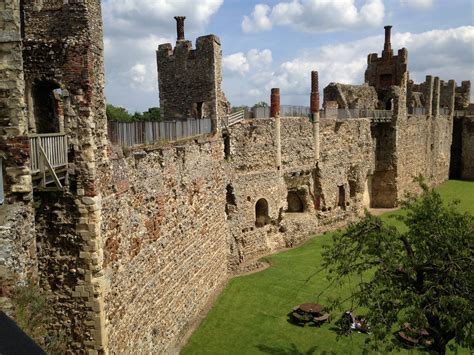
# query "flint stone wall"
(351, 96)
(18, 263)
(347, 158)
(423, 147)
(165, 242)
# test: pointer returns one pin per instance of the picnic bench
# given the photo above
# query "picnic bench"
(309, 312)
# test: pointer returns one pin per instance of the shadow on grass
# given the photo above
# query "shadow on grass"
(292, 349)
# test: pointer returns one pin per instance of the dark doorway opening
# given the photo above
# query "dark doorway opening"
(261, 213)
(295, 202)
(47, 106)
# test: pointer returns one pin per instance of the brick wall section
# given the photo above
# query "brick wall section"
(18, 261)
(165, 242)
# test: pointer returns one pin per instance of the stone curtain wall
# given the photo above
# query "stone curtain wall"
(165, 242)
(467, 165)
(18, 261)
(347, 158)
(423, 148)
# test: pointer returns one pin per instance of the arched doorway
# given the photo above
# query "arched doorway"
(261, 213)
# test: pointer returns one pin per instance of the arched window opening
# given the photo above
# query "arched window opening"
(261, 213)
(295, 202)
(47, 107)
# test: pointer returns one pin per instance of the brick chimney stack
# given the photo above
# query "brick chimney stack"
(180, 27)
(314, 101)
(387, 47)
(275, 103)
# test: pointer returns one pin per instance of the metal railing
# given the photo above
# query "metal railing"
(285, 111)
(416, 111)
(233, 118)
(344, 114)
(129, 134)
(52, 147)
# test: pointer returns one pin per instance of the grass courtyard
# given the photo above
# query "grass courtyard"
(250, 316)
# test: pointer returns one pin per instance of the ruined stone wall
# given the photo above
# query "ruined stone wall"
(383, 72)
(17, 245)
(346, 161)
(423, 147)
(165, 242)
(351, 96)
(463, 95)
(62, 49)
(189, 79)
(467, 165)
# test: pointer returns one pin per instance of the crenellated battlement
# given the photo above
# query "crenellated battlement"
(190, 79)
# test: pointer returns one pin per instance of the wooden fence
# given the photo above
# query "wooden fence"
(129, 134)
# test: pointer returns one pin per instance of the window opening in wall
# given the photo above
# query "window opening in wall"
(341, 201)
(47, 106)
(2, 194)
(352, 188)
(295, 203)
(199, 110)
(226, 146)
(231, 203)
(388, 105)
(385, 80)
(22, 19)
(261, 213)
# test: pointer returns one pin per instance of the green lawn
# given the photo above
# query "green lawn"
(250, 316)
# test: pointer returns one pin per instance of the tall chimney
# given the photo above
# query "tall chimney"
(387, 47)
(275, 103)
(314, 101)
(180, 27)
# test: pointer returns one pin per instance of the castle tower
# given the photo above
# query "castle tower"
(387, 70)
(190, 79)
(54, 140)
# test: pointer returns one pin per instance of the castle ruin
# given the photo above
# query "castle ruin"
(132, 244)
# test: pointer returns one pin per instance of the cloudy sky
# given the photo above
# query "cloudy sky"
(276, 43)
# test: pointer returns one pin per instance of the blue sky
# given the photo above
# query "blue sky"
(276, 43)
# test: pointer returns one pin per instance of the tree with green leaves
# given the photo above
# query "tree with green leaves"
(116, 113)
(422, 275)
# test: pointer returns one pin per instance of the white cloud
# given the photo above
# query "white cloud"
(315, 15)
(258, 58)
(258, 20)
(448, 54)
(236, 62)
(417, 4)
(242, 63)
